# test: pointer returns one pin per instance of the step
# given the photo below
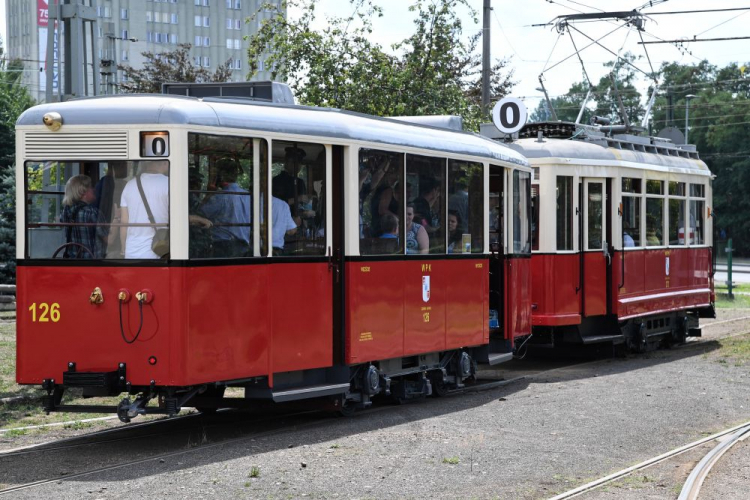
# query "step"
(313, 391)
(595, 339)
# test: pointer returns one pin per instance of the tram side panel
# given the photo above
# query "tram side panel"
(554, 280)
(405, 308)
(658, 281)
(229, 327)
(58, 324)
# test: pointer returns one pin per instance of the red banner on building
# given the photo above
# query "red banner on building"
(42, 12)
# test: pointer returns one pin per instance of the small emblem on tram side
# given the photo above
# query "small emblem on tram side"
(666, 267)
(365, 336)
(426, 288)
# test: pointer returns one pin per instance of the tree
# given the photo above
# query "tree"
(434, 71)
(14, 99)
(167, 67)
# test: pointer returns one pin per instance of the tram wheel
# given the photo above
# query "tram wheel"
(347, 410)
(439, 387)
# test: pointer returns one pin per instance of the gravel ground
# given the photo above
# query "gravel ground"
(533, 438)
(530, 439)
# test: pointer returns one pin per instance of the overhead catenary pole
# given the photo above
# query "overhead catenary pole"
(486, 58)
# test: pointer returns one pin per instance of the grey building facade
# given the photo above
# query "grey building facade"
(126, 28)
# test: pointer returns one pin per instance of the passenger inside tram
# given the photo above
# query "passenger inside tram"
(417, 240)
(229, 211)
(455, 233)
(86, 231)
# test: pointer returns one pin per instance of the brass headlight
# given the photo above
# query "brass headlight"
(53, 121)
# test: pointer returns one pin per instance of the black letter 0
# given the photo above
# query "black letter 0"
(159, 146)
(504, 115)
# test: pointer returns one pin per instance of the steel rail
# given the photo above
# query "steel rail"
(692, 486)
(652, 461)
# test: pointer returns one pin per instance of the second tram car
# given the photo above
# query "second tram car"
(170, 247)
(622, 237)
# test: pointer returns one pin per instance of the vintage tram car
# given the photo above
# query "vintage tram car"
(622, 236)
(291, 271)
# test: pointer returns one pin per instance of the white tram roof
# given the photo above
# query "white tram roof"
(156, 109)
(587, 153)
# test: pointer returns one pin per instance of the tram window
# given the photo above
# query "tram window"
(696, 228)
(595, 210)
(631, 221)
(676, 221)
(564, 194)
(381, 183)
(654, 187)
(220, 183)
(521, 210)
(631, 185)
(676, 188)
(697, 191)
(425, 188)
(93, 210)
(654, 222)
(465, 207)
(298, 178)
(535, 216)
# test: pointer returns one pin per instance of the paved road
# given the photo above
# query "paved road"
(530, 439)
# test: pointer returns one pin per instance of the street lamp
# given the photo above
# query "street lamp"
(687, 113)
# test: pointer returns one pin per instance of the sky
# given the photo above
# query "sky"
(532, 49)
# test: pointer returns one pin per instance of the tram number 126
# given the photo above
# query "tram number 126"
(44, 313)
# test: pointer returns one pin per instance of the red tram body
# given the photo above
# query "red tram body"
(328, 310)
(613, 258)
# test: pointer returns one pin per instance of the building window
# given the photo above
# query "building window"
(206, 41)
(206, 62)
(206, 22)
(124, 35)
(173, 38)
(123, 13)
(198, 20)
(173, 18)
(149, 16)
(125, 56)
(238, 24)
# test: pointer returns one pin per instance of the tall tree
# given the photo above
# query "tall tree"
(434, 71)
(14, 99)
(166, 67)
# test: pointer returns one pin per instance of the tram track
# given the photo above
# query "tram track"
(652, 461)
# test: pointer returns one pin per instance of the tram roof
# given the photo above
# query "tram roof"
(157, 109)
(586, 151)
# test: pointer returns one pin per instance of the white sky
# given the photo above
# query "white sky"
(530, 48)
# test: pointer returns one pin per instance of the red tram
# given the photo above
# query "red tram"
(312, 253)
(622, 237)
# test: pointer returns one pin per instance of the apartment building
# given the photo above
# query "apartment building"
(126, 28)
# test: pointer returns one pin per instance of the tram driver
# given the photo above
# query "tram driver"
(86, 231)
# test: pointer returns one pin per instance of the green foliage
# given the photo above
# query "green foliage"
(14, 99)
(169, 67)
(434, 71)
(603, 101)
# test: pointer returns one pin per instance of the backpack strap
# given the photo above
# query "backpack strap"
(145, 201)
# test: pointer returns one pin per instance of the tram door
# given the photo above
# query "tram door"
(595, 251)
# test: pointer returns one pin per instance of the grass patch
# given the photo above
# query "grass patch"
(451, 460)
(735, 350)
(739, 301)
(254, 472)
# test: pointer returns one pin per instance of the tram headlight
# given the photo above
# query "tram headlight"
(53, 121)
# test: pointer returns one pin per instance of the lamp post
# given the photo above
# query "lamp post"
(687, 114)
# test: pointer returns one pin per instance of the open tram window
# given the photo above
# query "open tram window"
(465, 207)
(631, 212)
(521, 210)
(298, 187)
(381, 209)
(425, 194)
(94, 210)
(221, 174)
(697, 214)
(564, 217)
(654, 213)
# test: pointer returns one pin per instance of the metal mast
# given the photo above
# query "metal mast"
(486, 58)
